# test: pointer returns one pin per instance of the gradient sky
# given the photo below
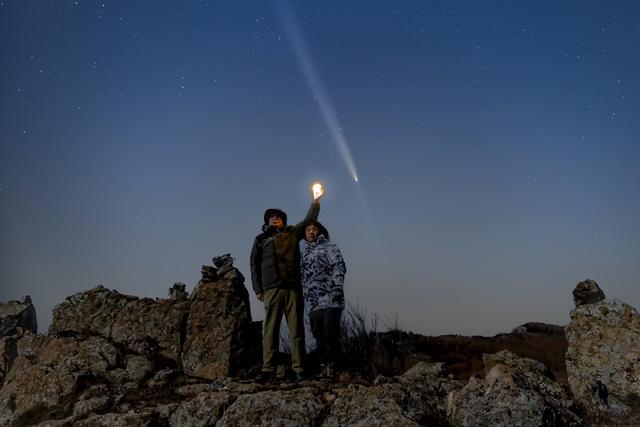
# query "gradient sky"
(497, 146)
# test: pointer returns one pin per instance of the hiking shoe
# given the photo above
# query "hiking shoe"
(299, 377)
(265, 378)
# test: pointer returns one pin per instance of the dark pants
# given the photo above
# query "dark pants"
(325, 327)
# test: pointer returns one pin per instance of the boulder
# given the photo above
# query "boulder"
(300, 407)
(358, 405)
(603, 360)
(515, 391)
(142, 325)
(51, 374)
(221, 340)
(427, 387)
(203, 410)
(152, 328)
(17, 314)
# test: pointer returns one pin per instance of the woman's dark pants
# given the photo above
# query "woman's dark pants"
(325, 327)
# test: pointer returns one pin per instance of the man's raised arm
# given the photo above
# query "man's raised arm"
(312, 215)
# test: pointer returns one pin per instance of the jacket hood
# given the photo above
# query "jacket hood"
(322, 231)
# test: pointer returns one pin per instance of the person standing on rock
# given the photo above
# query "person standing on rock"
(275, 273)
(323, 271)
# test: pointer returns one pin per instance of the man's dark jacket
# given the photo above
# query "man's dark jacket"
(267, 269)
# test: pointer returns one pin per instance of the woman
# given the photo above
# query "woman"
(323, 271)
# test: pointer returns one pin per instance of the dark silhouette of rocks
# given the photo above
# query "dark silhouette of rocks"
(391, 353)
(114, 360)
(539, 327)
(587, 292)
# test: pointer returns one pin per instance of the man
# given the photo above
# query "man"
(275, 273)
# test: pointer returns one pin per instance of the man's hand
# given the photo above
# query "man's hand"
(260, 296)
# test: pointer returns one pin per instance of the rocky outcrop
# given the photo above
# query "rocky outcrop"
(603, 357)
(143, 325)
(220, 337)
(515, 391)
(51, 375)
(17, 314)
(109, 353)
(114, 360)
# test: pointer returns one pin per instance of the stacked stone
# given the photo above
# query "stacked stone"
(603, 357)
(178, 292)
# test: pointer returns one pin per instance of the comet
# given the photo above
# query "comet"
(310, 71)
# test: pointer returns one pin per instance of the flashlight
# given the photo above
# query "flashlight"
(318, 190)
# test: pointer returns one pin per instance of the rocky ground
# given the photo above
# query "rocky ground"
(112, 359)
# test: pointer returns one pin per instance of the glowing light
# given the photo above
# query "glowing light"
(310, 72)
(318, 190)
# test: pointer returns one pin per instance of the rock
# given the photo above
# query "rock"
(587, 292)
(178, 292)
(17, 314)
(143, 325)
(143, 418)
(137, 367)
(221, 339)
(539, 328)
(300, 407)
(224, 264)
(428, 386)
(50, 374)
(91, 312)
(223, 260)
(164, 377)
(603, 361)
(203, 410)
(358, 405)
(85, 407)
(152, 328)
(192, 390)
(515, 391)
(209, 274)
(8, 353)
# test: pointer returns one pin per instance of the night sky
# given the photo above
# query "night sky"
(496, 146)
